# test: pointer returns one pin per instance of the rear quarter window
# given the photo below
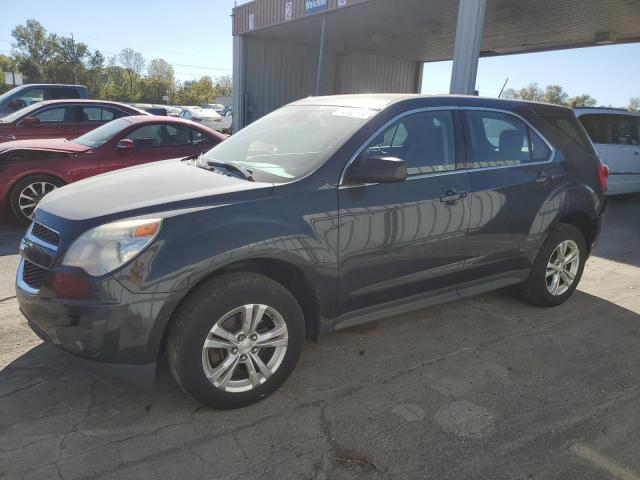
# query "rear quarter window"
(573, 130)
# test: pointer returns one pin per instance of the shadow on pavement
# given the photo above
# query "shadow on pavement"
(516, 371)
(621, 230)
(11, 232)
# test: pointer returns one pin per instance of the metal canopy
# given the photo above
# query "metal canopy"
(425, 30)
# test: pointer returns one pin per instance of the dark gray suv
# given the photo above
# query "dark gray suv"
(25, 95)
(329, 212)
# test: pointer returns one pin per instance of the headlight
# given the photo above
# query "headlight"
(105, 248)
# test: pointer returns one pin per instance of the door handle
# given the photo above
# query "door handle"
(545, 177)
(452, 196)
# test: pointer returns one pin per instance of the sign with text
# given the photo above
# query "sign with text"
(313, 6)
(252, 21)
(342, 3)
(288, 10)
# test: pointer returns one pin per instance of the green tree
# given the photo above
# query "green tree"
(33, 50)
(159, 81)
(68, 64)
(133, 63)
(531, 92)
(224, 86)
(555, 94)
(196, 92)
(95, 75)
(7, 64)
(583, 100)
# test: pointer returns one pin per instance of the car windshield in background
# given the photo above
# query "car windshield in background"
(291, 142)
(103, 134)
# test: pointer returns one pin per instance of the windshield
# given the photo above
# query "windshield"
(12, 117)
(103, 134)
(291, 142)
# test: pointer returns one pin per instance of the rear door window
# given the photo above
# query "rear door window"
(596, 127)
(499, 139)
(96, 114)
(62, 93)
(612, 129)
(624, 130)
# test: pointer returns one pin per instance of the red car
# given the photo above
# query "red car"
(61, 119)
(29, 169)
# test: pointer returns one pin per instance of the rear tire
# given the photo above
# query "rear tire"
(28, 192)
(555, 275)
(221, 361)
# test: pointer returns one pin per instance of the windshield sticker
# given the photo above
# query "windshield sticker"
(362, 113)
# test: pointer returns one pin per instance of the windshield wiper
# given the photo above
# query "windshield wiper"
(246, 174)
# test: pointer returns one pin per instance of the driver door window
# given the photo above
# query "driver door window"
(31, 96)
(55, 115)
(161, 135)
(425, 141)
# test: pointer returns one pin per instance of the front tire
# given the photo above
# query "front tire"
(558, 267)
(235, 340)
(28, 192)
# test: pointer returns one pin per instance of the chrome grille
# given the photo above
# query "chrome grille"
(45, 234)
(33, 275)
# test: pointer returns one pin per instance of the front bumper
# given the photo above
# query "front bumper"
(112, 333)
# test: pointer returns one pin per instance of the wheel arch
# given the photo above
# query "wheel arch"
(583, 222)
(15, 181)
(289, 275)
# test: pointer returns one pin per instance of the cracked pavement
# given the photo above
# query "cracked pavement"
(487, 387)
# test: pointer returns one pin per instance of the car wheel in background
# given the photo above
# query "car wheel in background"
(558, 267)
(235, 340)
(28, 192)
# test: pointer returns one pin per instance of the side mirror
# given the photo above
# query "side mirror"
(28, 121)
(376, 169)
(126, 144)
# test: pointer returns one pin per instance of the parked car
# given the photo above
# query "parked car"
(616, 135)
(61, 118)
(173, 111)
(205, 116)
(326, 213)
(227, 120)
(162, 111)
(218, 107)
(25, 95)
(30, 169)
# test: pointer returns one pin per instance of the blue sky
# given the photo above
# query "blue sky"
(195, 36)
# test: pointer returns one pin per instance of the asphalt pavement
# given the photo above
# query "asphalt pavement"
(483, 388)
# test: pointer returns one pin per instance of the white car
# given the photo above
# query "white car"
(207, 117)
(616, 136)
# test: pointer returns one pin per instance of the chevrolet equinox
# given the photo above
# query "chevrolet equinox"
(326, 213)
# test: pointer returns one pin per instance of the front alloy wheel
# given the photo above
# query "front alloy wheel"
(235, 339)
(245, 348)
(28, 192)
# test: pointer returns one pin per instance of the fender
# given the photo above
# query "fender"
(177, 262)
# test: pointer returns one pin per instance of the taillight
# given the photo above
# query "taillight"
(603, 173)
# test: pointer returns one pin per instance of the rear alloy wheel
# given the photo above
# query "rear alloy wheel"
(235, 340)
(27, 193)
(562, 267)
(557, 269)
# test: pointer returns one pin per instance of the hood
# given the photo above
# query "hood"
(155, 187)
(44, 144)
